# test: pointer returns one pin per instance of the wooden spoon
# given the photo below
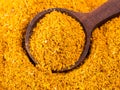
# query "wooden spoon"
(89, 21)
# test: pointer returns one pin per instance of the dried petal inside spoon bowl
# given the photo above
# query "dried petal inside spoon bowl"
(57, 41)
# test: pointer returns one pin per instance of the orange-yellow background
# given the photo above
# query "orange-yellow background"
(101, 70)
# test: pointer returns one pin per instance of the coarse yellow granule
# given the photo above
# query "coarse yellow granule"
(101, 70)
(57, 41)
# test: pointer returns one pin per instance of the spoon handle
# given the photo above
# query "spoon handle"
(101, 14)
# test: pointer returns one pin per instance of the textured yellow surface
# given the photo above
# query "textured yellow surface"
(101, 70)
(57, 43)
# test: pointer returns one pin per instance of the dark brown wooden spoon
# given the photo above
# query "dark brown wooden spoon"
(89, 21)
